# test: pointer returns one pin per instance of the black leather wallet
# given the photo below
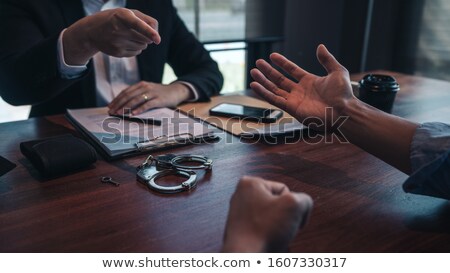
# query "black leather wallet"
(5, 165)
(58, 156)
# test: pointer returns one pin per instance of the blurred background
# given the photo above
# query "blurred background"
(409, 36)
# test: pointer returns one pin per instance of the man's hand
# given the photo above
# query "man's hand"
(147, 95)
(264, 216)
(118, 32)
(385, 136)
(311, 95)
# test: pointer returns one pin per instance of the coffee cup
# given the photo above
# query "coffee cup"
(379, 91)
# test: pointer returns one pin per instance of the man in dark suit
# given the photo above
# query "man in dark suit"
(59, 54)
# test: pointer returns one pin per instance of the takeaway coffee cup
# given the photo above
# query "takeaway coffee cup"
(378, 91)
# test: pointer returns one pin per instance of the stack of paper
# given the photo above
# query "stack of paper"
(119, 137)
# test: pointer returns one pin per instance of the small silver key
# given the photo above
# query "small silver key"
(107, 179)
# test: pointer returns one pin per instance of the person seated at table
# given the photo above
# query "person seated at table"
(419, 150)
(57, 54)
(264, 216)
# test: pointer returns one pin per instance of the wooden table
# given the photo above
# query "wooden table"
(359, 202)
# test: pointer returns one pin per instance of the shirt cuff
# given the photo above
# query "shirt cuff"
(192, 89)
(66, 71)
(430, 161)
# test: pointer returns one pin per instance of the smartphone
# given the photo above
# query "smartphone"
(248, 112)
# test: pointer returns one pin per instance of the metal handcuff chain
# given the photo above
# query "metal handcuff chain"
(157, 167)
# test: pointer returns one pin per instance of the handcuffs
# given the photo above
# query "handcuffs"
(160, 166)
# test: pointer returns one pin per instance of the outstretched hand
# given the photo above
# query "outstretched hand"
(310, 95)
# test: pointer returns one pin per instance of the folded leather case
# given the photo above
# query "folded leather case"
(5, 165)
(58, 156)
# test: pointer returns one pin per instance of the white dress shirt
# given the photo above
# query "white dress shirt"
(112, 75)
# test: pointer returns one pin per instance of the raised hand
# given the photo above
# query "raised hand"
(117, 32)
(309, 95)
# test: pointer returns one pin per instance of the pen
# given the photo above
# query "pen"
(151, 121)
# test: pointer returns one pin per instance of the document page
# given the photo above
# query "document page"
(117, 135)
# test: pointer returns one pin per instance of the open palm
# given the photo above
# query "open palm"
(311, 95)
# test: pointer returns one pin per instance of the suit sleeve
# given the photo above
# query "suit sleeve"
(191, 62)
(28, 60)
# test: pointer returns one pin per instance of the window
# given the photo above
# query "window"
(214, 20)
(433, 51)
(13, 113)
(220, 25)
(231, 60)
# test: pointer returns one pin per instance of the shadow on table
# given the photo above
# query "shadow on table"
(436, 221)
(310, 172)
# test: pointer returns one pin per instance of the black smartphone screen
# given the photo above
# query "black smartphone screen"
(241, 110)
(237, 110)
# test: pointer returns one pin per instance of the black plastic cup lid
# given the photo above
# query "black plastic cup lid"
(380, 83)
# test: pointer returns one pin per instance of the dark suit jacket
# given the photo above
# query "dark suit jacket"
(29, 31)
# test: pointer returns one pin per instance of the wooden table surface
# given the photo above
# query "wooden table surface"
(359, 202)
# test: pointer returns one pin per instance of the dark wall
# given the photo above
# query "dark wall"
(341, 24)
(309, 23)
(264, 18)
